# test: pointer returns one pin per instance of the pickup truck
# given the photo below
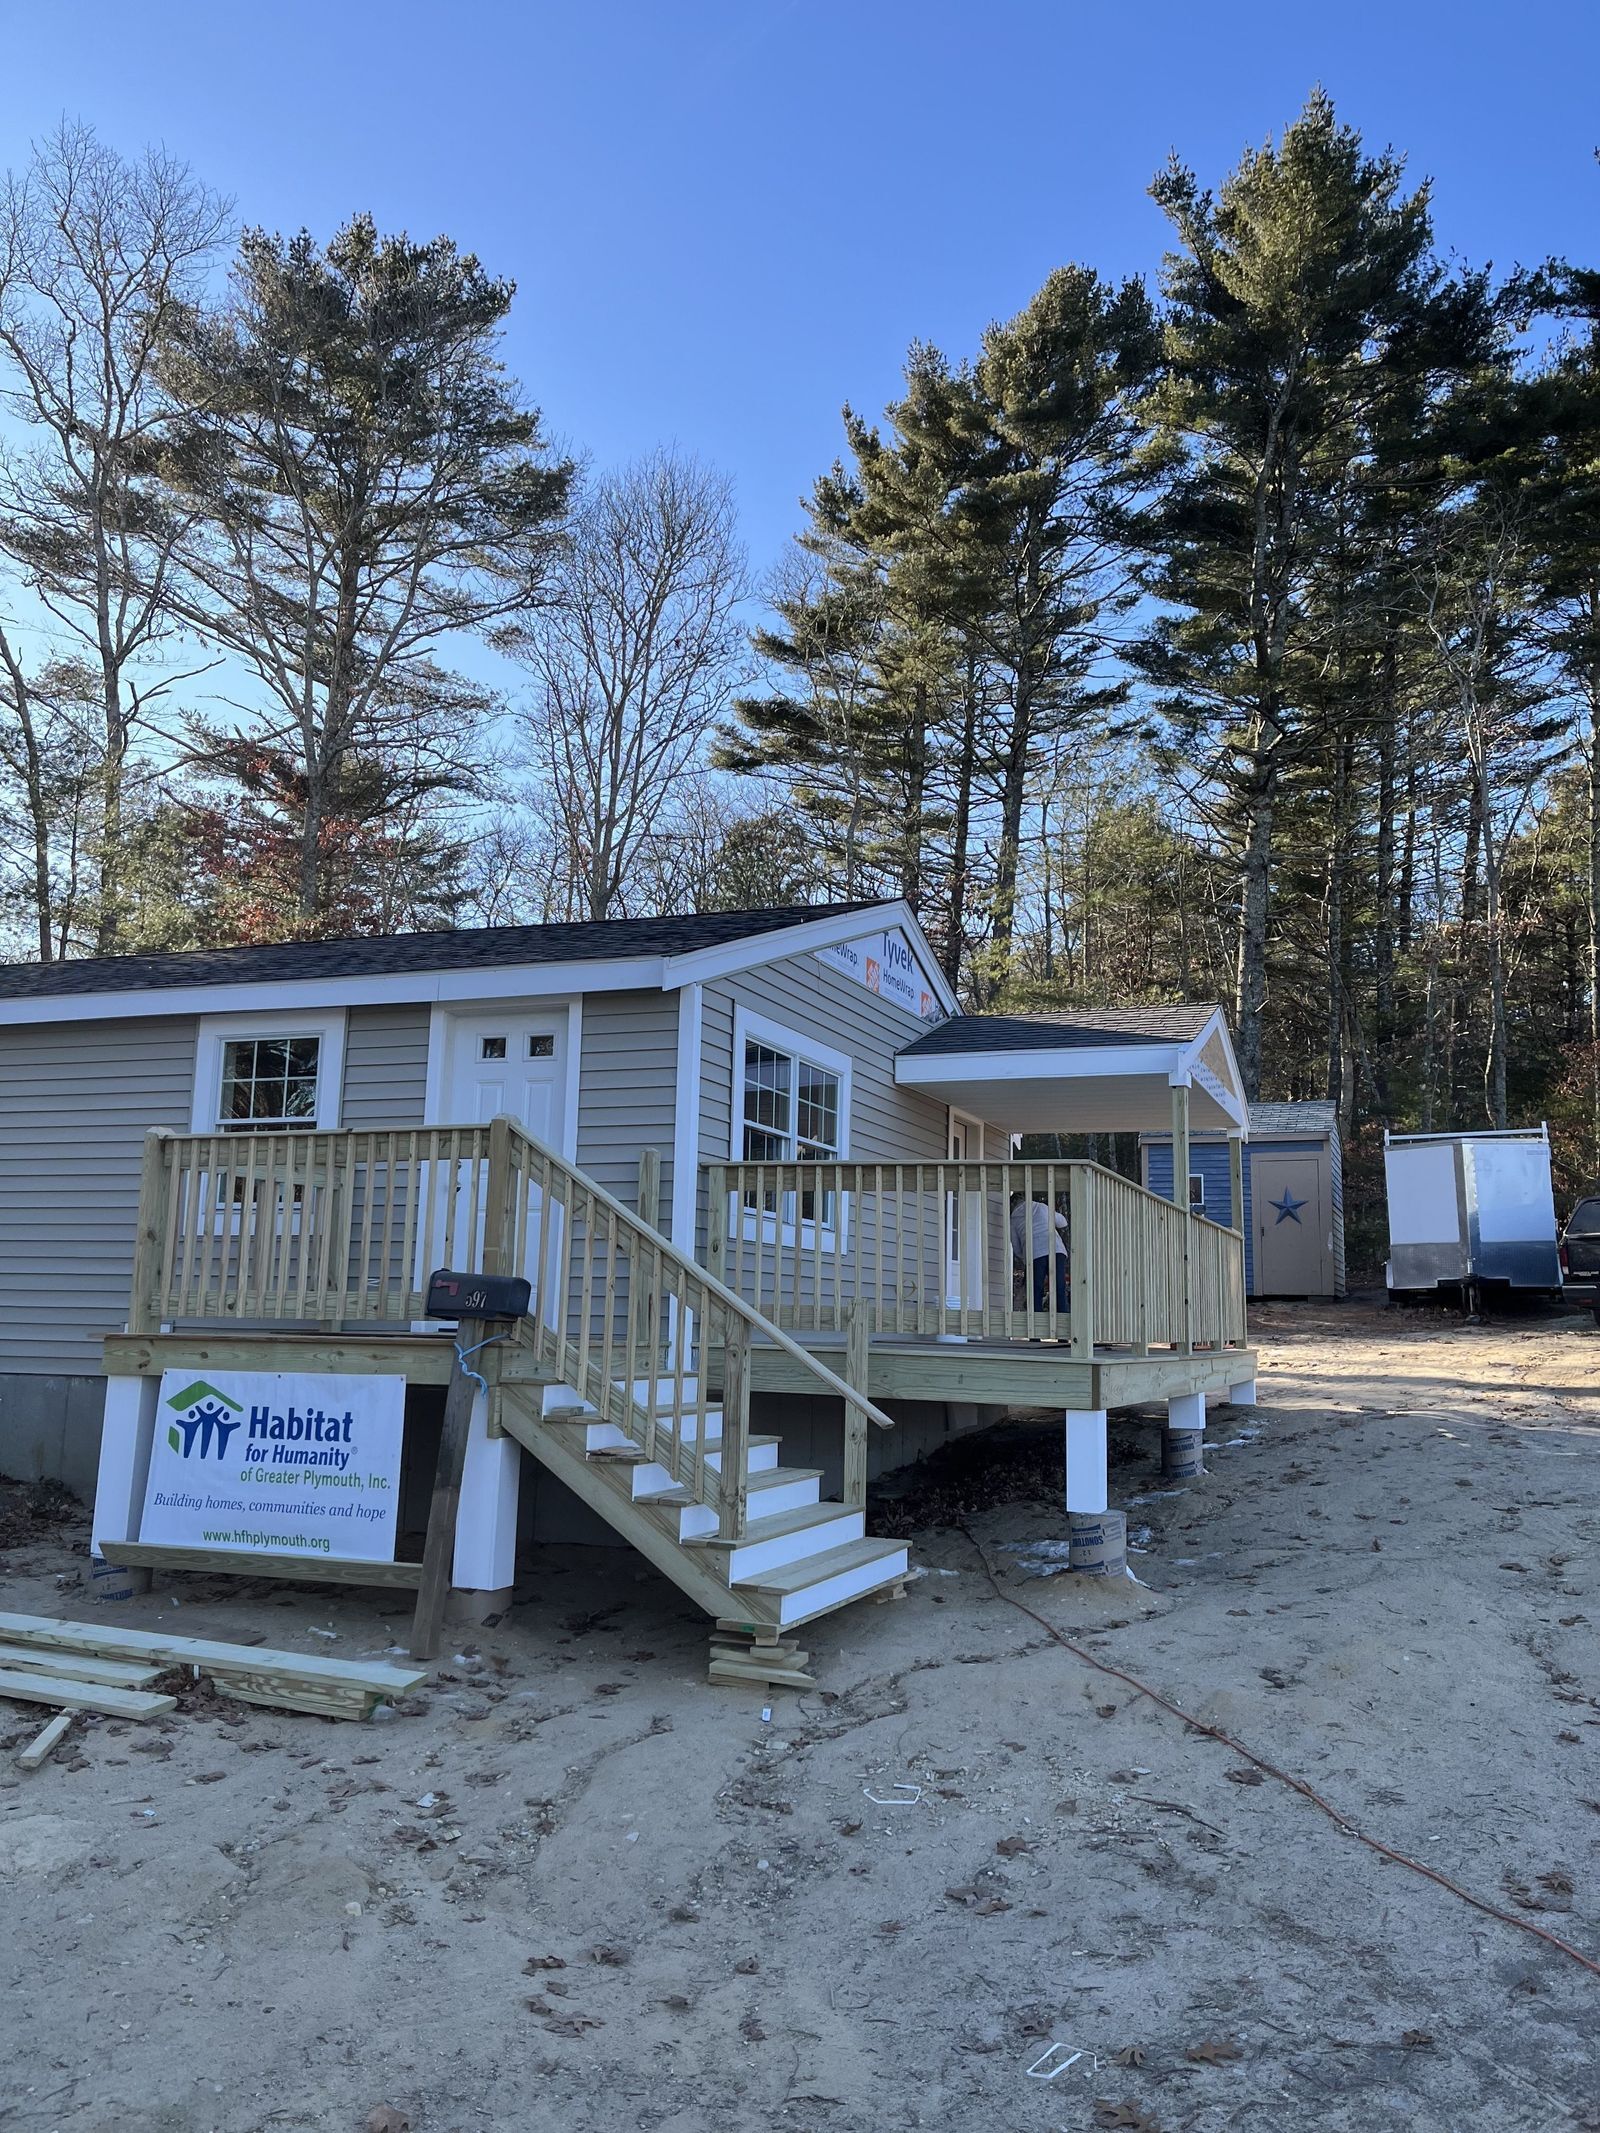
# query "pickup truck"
(1580, 1255)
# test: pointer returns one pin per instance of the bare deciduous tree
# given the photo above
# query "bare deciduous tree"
(96, 251)
(633, 660)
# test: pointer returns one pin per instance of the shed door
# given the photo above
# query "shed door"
(1289, 1202)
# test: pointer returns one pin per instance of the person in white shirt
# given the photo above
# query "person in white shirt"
(1039, 1233)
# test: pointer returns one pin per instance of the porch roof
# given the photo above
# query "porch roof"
(1095, 1070)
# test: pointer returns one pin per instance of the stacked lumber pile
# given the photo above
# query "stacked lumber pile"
(753, 1653)
(88, 1666)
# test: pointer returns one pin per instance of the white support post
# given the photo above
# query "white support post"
(1242, 1394)
(1186, 1410)
(1087, 1484)
(126, 1438)
(1183, 1441)
(1097, 1536)
(485, 1559)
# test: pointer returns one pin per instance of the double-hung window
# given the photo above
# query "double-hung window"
(794, 1101)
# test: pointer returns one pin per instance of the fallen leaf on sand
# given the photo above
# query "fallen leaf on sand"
(613, 1956)
(572, 2025)
(747, 1966)
(543, 1962)
(1213, 2051)
(1244, 1777)
(1132, 2115)
(1105, 1710)
(1417, 2040)
(1008, 1847)
(386, 2119)
(990, 1907)
(1130, 2055)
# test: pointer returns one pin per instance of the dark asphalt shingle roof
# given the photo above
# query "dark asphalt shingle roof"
(472, 948)
(1086, 1028)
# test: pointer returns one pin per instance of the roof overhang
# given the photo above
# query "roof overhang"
(1084, 1088)
(498, 981)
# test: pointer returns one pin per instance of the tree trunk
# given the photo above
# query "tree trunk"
(961, 831)
(1250, 997)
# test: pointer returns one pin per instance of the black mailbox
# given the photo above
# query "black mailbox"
(477, 1295)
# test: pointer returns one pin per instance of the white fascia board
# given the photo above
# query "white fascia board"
(509, 981)
(1070, 1063)
(703, 964)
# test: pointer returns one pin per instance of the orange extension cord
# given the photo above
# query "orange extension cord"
(1339, 1821)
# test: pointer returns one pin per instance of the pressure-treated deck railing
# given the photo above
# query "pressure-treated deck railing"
(932, 1248)
(343, 1228)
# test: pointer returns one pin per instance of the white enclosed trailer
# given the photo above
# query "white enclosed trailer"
(1466, 1208)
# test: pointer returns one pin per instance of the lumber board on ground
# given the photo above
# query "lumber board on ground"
(45, 1743)
(731, 1672)
(280, 1695)
(85, 1695)
(75, 1666)
(212, 1658)
(238, 1563)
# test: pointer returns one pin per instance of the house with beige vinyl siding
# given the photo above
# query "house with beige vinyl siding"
(756, 1166)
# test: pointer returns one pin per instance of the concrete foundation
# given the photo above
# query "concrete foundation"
(50, 1429)
(1183, 1454)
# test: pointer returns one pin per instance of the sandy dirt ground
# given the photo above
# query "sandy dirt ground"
(576, 1887)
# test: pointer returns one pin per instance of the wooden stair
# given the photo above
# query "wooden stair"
(798, 1556)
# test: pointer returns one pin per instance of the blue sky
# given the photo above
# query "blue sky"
(726, 217)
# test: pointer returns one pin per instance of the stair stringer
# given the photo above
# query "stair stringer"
(686, 1568)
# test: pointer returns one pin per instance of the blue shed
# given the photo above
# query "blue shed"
(1293, 1195)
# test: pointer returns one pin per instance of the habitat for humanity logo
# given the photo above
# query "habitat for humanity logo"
(203, 1419)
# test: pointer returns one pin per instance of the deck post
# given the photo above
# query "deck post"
(1180, 1200)
(497, 1222)
(733, 1478)
(484, 1560)
(147, 1250)
(648, 1203)
(1080, 1226)
(1183, 1438)
(1097, 1536)
(439, 1548)
(857, 1365)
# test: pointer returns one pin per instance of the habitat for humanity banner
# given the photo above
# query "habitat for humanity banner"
(276, 1463)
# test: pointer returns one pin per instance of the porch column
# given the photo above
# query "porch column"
(1236, 1179)
(485, 1562)
(1097, 1537)
(126, 1437)
(1183, 1439)
(1180, 1146)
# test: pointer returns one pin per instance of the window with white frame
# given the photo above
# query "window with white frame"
(263, 1073)
(794, 1109)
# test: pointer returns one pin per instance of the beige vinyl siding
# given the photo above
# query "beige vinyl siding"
(812, 998)
(76, 1099)
(627, 1088)
(385, 1066)
(809, 996)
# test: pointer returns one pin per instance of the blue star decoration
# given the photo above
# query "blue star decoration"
(1288, 1208)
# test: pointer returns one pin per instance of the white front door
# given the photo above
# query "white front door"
(510, 1063)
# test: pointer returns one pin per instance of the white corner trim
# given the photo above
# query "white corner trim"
(213, 1031)
(803, 1046)
(569, 1115)
(686, 1122)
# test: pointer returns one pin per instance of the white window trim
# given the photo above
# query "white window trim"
(214, 1031)
(798, 1044)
